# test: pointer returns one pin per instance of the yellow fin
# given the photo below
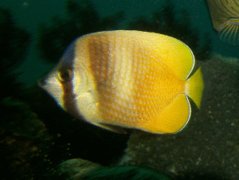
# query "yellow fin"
(194, 87)
(173, 53)
(176, 55)
(173, 118)
(230, 31)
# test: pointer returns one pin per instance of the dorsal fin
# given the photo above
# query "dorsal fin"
(170, 51)
(175, 54)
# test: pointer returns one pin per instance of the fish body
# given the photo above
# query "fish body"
(225, 19)
(129, 79)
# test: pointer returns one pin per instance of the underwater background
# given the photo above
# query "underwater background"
(38, 140)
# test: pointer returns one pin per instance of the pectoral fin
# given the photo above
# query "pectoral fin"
(110, 128)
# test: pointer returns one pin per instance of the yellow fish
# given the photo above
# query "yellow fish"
(225, 19)
(128, 79)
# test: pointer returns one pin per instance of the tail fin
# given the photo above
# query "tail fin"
(194, 87)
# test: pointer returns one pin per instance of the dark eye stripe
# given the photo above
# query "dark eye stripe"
(69, 102)
(65, 75)
(67, 63)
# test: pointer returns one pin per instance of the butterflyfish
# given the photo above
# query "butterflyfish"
(225, 19)
(127, 79)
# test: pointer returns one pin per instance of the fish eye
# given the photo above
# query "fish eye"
(65, 75)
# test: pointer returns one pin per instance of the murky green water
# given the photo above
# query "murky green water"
(36, 136)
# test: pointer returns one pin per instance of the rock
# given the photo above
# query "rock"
(79, 169)
(74, 168)
(24, 142)
(208, 146)
(18, 119)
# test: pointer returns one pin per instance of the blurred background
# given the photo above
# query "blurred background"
(40, 141)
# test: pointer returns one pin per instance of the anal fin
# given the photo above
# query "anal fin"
(173, 117)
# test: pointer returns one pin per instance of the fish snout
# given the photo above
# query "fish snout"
(42, 82)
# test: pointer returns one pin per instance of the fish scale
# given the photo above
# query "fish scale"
(119, 105)
(114, 85)
(130, 79)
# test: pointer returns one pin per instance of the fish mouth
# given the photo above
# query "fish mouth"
(42, 83)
